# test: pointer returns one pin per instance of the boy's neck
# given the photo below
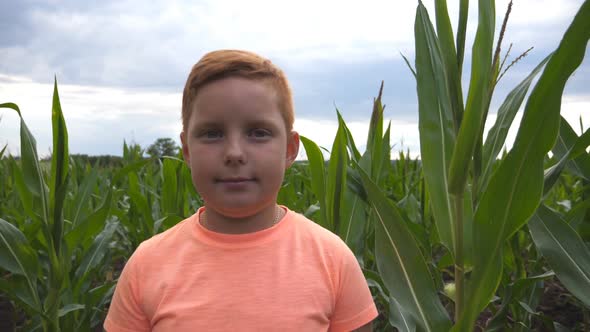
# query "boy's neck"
(219, 223)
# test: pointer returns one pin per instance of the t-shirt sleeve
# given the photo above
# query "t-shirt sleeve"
(125, 313)
(354, 304)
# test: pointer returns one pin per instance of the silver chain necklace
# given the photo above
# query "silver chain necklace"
(203, 217)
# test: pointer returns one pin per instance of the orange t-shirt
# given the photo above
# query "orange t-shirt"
(294, 276)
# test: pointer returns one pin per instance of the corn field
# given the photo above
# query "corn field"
(465, 238)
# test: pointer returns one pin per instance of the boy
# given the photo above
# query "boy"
(241, 262)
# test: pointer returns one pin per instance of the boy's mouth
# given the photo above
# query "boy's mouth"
(235, 180)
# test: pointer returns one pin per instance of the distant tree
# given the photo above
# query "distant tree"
(163, 147)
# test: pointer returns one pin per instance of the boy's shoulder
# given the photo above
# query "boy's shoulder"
(312, 232)
(169, 239)
(314, 228)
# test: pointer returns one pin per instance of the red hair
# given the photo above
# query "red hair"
(236, 63)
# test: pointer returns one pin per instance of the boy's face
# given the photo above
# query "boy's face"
(237, 146)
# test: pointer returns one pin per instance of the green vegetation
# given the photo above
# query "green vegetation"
(463, 239)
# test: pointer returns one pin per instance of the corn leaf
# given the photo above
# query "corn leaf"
(19, 290)
(515, 189)
(317, 169)
(99, 297)
(141, 203)
(449, 55)
(384, 163)
(31, 169)
(83, 197)
(25, 195)
(129, 168)
(70, 308)
(86, 228)
(435, 124)
(375, 134)
(506, 113)
(576, 150)
(565, 251)
(400, 318)
(353, 221)
(580, 166)
(401, 264)
(59, 170)
(169, 186)
(17, 256)
(354, 152)
(336, 181)
(462, 28)
(477, 98)
(96, 252)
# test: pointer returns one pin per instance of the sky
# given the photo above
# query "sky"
(121, 65)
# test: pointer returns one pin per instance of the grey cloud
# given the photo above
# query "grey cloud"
(144, 45)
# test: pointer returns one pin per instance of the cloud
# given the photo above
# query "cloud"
(154, 43)
(99, 119)
(122, 64)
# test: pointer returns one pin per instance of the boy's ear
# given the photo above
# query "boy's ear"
(292, 147)
(185, 152)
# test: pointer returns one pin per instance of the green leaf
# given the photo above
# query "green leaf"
(565, 251)
(463, 14)
(375, 134)
(435, 124)
(409, 65)
(400, 318)
(85, 229)
(353, 220)
(69, 308)
(354, 152)
(140, 201)
(18, 257)
(477, 98)
(25, 195)
(577, 146)
(83, 197)
(99, 297)
(401, 264)
(336, 180)
(384, 163)
(580, 166)
(96, 252)
(449, 55)
(18, 289)
(506, 113)
(317, 169)
(515, 189)
(132, 167)
(59, 170)
(528, 289)
(30, 167)
(169, 187)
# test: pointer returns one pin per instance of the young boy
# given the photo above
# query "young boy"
(241, 262)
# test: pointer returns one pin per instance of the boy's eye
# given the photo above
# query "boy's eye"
(211, 134)
(259, 133)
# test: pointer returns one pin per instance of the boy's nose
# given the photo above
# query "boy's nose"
(234, 152)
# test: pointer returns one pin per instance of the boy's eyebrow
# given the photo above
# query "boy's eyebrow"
(207, 123)
(220, 123)
(261, 122)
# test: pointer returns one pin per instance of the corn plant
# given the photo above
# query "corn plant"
(476, 205)
(479, 204)
(53, 251)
